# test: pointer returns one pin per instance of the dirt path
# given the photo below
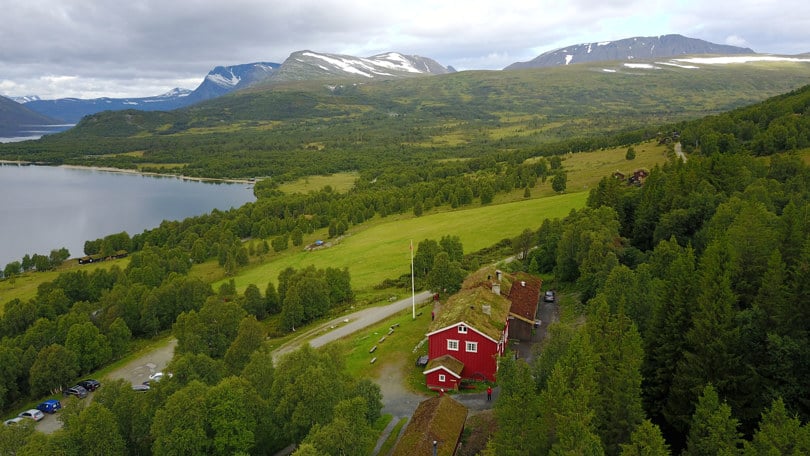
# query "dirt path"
(679, 152)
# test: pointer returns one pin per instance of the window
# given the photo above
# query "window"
(462, 329)
(441, 377)
(452, 344)
(472, 347)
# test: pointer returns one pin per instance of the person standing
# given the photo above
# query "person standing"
(489, 393)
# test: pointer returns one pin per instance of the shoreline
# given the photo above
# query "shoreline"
(108, 169)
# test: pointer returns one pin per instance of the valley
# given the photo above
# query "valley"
(678, 279)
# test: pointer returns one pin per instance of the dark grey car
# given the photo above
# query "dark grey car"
(76, 390)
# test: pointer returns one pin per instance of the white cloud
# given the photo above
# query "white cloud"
(734, 40)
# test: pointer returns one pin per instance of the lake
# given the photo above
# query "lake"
(44, 208)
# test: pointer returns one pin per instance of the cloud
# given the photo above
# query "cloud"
(738, 41)
(114, 48)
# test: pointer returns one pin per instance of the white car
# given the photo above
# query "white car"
(158, 376)
(12, 421)
(34, 414)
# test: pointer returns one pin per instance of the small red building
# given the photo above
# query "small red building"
(467, 336)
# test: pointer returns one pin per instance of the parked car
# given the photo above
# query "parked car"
(158, 376)
(34, 414)
(76, 390)
(90, 385)
(549, 296)
(13, 421)
(49, 406)
(140, 388)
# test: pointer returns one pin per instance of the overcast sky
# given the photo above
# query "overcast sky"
(121, 48)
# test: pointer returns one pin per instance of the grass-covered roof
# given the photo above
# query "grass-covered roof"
(471, 303)
(440, 418)
(448, 362)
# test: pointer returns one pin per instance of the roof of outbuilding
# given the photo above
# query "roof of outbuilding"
(525, 295)
(448, 363)
(439, 418)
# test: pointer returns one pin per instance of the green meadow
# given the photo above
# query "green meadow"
(380, 250)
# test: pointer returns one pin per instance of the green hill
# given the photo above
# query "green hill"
(308, 128)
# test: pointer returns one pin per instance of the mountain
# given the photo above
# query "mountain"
(18, 120)
(218, 82)
(309, 65)
(650, 47)
(71, 110)
(225, 79)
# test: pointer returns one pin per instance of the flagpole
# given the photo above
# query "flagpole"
(413, 287)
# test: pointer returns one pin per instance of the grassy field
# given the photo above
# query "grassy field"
(380, 250)
(340, 182)
(24, 287)
(585, 169)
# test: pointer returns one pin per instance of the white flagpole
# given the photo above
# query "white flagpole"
(413, 288)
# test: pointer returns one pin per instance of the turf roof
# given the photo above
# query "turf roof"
(469, 306)
(439, 418)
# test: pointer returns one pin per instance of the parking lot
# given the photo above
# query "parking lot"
(135, 371)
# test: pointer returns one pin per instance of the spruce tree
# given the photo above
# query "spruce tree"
(713, 430)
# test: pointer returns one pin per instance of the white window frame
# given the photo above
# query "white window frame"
(472, 347)
(442, 378)
(462, 329)
(452, 344)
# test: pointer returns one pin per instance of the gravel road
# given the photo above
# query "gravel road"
(348, 324)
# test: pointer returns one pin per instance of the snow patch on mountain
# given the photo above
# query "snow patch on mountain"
(397, 61)
(725, 60)
(25, 99)
(688, 67)
(642, 66)
(228, 79)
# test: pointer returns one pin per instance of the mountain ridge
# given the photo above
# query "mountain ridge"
(310, 65)
(300, 65)
(639, 47)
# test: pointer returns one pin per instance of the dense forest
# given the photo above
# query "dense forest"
(689, 331)
(684, 326)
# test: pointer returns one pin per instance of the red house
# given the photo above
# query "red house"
(468, 335)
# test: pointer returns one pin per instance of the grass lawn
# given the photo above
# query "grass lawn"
(396, 347)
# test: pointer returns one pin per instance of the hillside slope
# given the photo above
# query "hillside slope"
(320, 127)
(18, 120)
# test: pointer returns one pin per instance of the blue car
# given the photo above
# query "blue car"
(49, 406)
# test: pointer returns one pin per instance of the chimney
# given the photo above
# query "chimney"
(498, 274)
(522, 283)
(496, 288)
(487, 309)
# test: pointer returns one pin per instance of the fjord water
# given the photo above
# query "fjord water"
(44, 208)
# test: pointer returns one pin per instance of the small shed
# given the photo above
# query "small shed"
(439, 419)
(444, 373)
